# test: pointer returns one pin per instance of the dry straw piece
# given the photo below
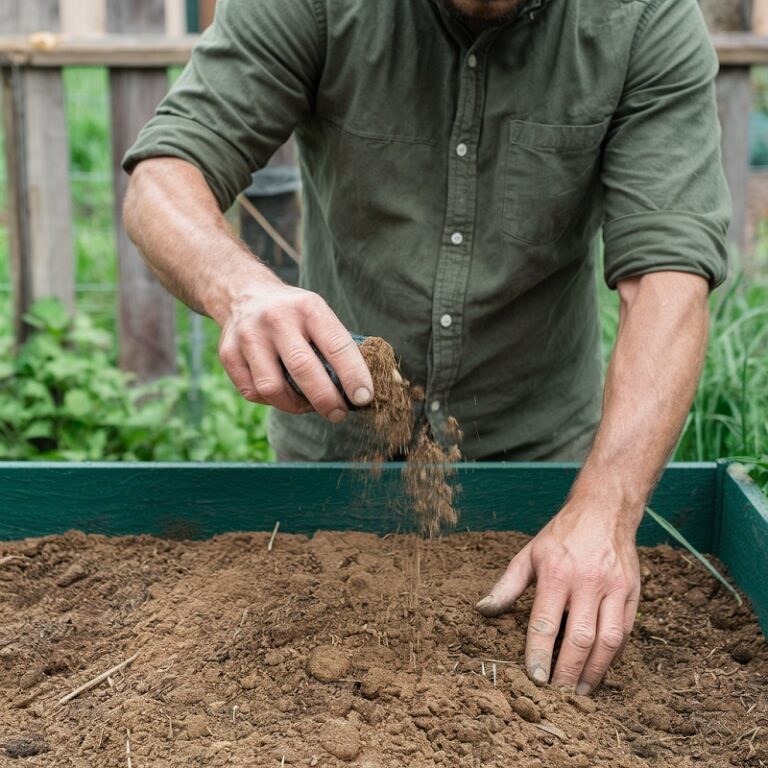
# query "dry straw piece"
(93, 682)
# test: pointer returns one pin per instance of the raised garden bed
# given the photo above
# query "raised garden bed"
(349, 648)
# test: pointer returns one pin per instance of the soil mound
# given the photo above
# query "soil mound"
(227, 637)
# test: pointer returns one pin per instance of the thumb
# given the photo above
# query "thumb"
(516, 579)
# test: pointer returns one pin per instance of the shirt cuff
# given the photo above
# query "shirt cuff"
(661, 241)
(226, 170)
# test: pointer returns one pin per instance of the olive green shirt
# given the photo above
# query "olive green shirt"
(455, 186)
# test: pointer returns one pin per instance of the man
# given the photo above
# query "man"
(459, 158)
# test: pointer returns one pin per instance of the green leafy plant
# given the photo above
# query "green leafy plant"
(63, 398)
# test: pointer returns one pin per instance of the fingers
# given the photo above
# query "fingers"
(609, 641)
(341, 351)
(280, 326)
(262, 384)
(516, 579)
(311, 377)
(580, 633)
(543, 626)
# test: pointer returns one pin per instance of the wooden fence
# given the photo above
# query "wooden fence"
(138, 51)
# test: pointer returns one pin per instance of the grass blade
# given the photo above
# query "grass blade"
(675, 534)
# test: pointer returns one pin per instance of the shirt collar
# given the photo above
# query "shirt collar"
(530, 8)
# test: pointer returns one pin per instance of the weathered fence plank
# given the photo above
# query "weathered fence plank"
(37, 153)
(147, 319)
(734, 96)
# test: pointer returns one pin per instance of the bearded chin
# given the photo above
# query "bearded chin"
(478, 18)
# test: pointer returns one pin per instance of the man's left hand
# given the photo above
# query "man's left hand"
(585, 566)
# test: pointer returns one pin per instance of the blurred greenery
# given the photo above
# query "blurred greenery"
(63, 398)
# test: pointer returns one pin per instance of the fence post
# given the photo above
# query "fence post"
(37, 154)
(147, 313)
(760, 17)
(734, 96)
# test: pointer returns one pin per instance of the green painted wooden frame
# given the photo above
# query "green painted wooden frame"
(716, 507)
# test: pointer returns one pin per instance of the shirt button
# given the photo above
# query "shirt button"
(434, 406)
(457, 238)
(461, 150)
(446, 321)
(472, 61)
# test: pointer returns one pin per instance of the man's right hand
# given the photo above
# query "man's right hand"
(276, 323)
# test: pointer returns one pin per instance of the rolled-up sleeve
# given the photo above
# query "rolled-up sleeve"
(251, 79)
(667, 205)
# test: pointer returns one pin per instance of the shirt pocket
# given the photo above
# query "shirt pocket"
(549, 171)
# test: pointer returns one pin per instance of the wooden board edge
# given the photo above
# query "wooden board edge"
(734, 49)
(744, 538)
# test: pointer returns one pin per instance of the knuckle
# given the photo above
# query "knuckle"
(543, 627)
(229, 355)
(300, 361)
(269, 388)
(559, 574)
(271, 316)
(310, 304)
(593, 577)
(249, 393)
(338, 342)
(612, 638)
(582, 637)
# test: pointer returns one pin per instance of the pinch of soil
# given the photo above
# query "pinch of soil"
(526, 709)
(328, 664)
(341, 739)
(390, 415)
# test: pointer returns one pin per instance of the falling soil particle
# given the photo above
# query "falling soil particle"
(390, 419)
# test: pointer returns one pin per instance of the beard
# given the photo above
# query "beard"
(490, 13)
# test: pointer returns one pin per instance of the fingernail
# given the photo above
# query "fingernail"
(583, 689)
(486, 606)
(336, 416)
(539, 676)
(362, 396)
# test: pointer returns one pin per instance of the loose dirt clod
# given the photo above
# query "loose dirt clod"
(328, 664)
(390, 419)
(341, 739)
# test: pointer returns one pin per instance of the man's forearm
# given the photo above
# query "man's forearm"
(649, 388)
(267, 327)
(172, 216)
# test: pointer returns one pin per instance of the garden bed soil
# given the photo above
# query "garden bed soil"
(347, 649)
